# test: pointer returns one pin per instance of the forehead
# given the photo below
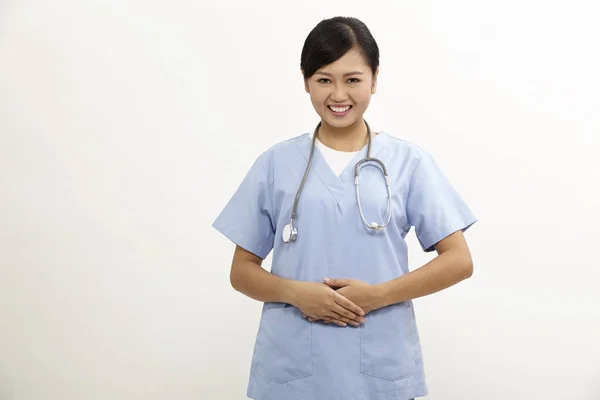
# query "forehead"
(353, 60)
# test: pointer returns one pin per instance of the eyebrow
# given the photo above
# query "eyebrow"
(346, 74)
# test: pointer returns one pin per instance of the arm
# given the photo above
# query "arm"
(312, 298)
(452, 265)
(433, 206)
(248, 277)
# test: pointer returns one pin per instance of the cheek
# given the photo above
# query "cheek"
(317, 93)
(318, 99)
(362, 98)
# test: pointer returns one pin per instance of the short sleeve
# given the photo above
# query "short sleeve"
(434, 207)
(247, 217)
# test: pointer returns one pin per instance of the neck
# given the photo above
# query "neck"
(350, 138)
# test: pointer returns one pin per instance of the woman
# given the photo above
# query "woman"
(338, 320)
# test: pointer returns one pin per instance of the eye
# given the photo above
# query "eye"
(323, 80)
(353, 80)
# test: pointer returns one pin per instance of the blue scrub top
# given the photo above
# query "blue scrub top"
(295, 359)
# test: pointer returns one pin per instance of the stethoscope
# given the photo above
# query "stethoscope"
(290, 233)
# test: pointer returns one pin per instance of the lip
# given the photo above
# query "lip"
(340, 114)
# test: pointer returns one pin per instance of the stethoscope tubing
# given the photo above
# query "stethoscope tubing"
(290, 232)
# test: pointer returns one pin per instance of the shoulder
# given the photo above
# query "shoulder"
(282, 151)
(405, 149)
(285, 146)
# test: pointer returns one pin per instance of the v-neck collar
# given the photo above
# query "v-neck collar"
(337, 185)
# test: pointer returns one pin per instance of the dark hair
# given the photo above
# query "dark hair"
(334, 37)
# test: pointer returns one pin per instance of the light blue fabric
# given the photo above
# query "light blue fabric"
(293, 358)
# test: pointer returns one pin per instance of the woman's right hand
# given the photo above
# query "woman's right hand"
(321, 302)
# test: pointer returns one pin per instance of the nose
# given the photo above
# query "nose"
(338, 94)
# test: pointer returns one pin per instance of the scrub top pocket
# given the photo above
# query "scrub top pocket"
(388, 343)
(283, 350)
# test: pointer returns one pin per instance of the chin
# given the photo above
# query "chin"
(341, 123)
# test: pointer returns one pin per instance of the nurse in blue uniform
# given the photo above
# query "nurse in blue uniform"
(334, 206)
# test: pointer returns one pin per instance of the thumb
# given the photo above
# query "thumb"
(337, 282)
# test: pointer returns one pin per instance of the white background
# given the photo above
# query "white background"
(125, 127)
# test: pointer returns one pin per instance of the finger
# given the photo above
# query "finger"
(347, 320)
(336, 321)
(338, 313)
(347, 304)
(337, 282)
(346, 314)
(311, 319)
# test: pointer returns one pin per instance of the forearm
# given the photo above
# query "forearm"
(255, 282)
(445, 270)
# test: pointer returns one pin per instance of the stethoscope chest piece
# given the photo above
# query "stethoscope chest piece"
(289, 233)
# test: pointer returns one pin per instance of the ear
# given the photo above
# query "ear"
(374, 85)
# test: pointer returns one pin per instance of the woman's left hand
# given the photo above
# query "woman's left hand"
(360, 293)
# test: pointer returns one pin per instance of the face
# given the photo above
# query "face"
(340, 92)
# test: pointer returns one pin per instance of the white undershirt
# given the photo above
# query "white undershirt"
(337, 160)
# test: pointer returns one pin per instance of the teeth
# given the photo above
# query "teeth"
(340, 109)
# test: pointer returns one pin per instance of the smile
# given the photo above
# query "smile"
(339, 111)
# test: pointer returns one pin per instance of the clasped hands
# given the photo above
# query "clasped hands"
(338, 301)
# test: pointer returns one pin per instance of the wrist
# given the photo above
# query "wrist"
(289, 291)
(382, 292)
